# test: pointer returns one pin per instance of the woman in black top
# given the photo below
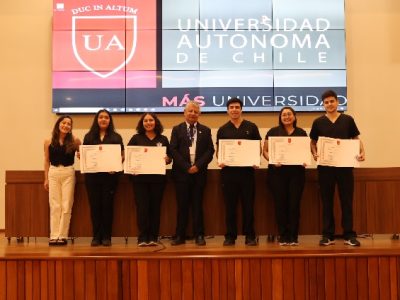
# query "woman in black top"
(149, 189)
(59, 178)
(286, 182)
(101, 186)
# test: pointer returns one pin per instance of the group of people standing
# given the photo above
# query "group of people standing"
(191, 149)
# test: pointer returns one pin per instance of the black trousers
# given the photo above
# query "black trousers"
(189, 192)
(328, 177)
(101, 189)
(148, 197)
(287, 184)
(238, 183)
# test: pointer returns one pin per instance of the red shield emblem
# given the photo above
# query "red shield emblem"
(289, 140)
(100, 51)
(338, 142)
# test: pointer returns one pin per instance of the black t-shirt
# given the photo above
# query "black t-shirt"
(246, 131)
(343, 128)
(143, 140)
(112, 138)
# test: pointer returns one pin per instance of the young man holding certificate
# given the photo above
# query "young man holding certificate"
(238, 181)
(339, 126)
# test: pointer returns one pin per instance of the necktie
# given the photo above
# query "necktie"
(191, 133)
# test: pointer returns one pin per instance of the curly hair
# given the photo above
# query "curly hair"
(158, 128)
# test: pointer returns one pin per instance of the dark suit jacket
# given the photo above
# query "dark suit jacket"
(180, 144)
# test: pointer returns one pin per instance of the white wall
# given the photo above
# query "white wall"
(373, 60)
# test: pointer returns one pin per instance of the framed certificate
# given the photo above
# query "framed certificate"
(287, 150)
(338, 152)
(100, 158)
(145, 160)
(239, 153)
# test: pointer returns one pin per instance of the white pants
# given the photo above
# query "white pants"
(61, 199)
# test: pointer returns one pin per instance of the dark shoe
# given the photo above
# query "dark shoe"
(352, 242)
(62, 242)
(53, 242)
(325, 241)
(229, 242)
(178, 241)
(106, 242)
(142, 243)
(95, 243)
(200, 241)
(251, 241)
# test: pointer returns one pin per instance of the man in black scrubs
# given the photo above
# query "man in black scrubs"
(238, 182)
(192, 150)
(341, 126)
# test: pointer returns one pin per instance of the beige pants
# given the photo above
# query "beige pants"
(61, 199)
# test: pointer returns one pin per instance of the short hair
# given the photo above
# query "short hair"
(328, 93)
(280, 116)
(158, 128)
(234, 100)
(192, 102)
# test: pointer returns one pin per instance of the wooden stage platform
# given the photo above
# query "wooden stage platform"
(33, 270)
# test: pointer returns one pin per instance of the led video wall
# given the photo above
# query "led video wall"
(152, 55)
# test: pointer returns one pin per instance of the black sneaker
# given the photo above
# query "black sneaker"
(251, 241)
(283, 241)
(326, 241)
(294, 242)
(95, 243)
(352, 242)
(229, 242)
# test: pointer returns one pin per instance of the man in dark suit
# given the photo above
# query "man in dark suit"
(192, 150)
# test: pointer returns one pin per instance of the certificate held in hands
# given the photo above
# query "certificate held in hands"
(145, 160)
(239, 153)
(289, 150)
(100, 158)
(338, 152)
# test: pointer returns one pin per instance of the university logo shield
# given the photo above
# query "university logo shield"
(100, 50)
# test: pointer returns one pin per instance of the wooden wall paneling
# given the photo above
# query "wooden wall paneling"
(101, 279)
(255, 278)
(79, 279)
(21, 279)
(264, 208)
(12, 279)
(165, 279)
(312, 282)
(351, 278)
(310, 210)
(187, 279)
(124, 221)
(143, 288)
(125, 280)
(58, 275)
(362, 278)
(395, 189)
(288, 280)
(176, 279)
(51, 279)
(36, 280)
(81, 224)
(394, 291)
(300, 277)
(384, 278)
(154, 278)
(134, 279)
(198, 279)
(238, 279)
(68, 287)
(44, 280)
(28, 287)
(90, 279)
(246, 285)
(329, 281)
(230, 272)
(213, 205)
(215, 279)
(169, 210)
(340, 278)
(114, 279)
(208, 293)
(373, 277)
(223, 279)
(320, 268)
(266, 278)
(277, 279)
(3, 280)
(360, 208)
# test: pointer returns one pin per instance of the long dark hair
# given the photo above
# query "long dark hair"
(68, 139)
(94, 131)
(294, 114)
(158, 128)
